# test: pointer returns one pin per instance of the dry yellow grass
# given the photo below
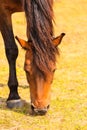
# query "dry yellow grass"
(69, 94)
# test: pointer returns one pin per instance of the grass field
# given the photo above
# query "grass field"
(68, 109)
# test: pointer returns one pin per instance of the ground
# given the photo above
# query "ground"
(68, 109)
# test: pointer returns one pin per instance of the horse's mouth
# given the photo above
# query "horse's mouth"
(39, 111)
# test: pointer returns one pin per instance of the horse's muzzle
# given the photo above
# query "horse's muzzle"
(39, 111)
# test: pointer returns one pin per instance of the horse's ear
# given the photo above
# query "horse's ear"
(24, 44)
(57, 40)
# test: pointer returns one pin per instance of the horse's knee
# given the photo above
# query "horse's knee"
(11, 54)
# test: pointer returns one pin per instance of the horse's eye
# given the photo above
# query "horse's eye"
(54, 70)
(27, 71)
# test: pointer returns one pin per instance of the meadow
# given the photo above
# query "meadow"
(68, 110)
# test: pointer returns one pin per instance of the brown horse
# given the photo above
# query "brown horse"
(41, 49)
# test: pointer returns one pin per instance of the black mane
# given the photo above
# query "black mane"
(39, 15)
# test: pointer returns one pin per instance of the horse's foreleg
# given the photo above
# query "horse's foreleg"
(11, 54)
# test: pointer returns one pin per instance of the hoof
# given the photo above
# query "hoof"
(15, 103)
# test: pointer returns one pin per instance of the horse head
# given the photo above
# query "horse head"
(39, 81)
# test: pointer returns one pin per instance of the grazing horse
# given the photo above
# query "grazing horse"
(41, 49)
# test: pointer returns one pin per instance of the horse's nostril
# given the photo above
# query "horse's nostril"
(48, 106)
(32, 107)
